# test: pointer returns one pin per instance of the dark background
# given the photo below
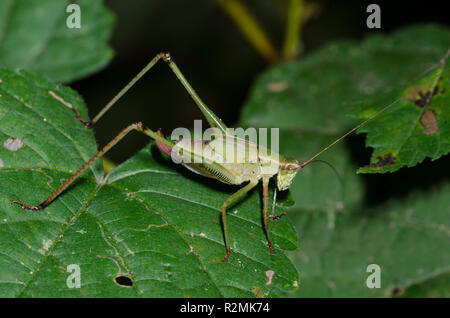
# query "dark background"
(214, 56)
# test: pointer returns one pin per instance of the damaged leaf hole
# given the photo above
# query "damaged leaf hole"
(123, 280)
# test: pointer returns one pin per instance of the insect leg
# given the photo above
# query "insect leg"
(274, 217)
(212, 119)
(125, 89)
(225, 204)
(122, 134)
(277, 217)
(266, 211)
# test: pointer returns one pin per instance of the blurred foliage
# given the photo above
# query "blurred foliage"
(34, 36)
(128, 227)
(214, 55)
(308, 100)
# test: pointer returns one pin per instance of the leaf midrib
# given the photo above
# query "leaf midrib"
(181, 235)
(57, 239)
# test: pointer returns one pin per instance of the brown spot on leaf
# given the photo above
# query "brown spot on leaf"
(277, 86)
(421, 95)
(383, 161)
(13, 144)
(396, 291)
(269, 275)
(258, 292)
(46, 244)
(429, 122)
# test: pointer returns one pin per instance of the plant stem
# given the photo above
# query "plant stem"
(250, 28)
(292, 41)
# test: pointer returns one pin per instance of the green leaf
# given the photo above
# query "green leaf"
(438, 286)
(418, 124)
(26, 101)
(309, 101)
(34, 36)
(150, 224)
(316, 93)
(408, 239)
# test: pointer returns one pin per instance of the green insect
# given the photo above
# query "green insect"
(229, 172)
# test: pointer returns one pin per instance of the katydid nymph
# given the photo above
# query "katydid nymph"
(283, 169)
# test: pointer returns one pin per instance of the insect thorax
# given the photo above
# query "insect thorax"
(227, 158)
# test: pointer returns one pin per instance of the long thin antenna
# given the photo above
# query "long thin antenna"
(346, 134)
(332, 167)
(441, 62)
